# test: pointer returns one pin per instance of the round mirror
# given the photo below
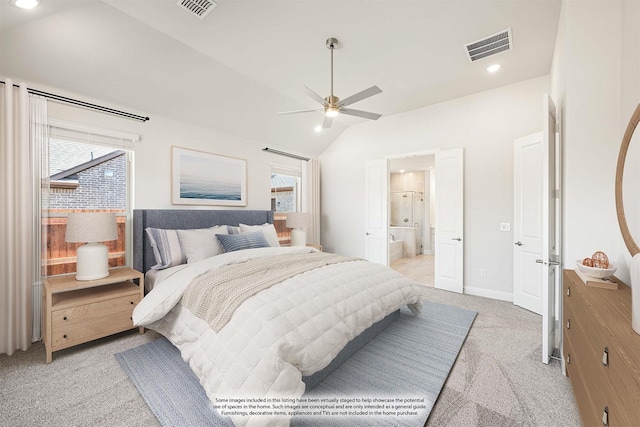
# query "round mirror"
(627, 196)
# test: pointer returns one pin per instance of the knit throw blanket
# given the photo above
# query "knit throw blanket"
(214, 296)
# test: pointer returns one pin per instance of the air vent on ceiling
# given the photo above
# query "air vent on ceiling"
(199, 8)
(489, 46)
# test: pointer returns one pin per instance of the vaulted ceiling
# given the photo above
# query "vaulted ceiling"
(247, 60)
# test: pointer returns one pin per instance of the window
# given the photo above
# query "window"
(285, 197)
(87, 173)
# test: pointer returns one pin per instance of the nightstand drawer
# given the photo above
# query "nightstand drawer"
(77, 311)
(71, 334)
(81, 313)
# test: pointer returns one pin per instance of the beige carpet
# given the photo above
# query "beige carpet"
(498, 379)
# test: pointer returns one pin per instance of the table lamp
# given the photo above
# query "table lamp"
(298, 221)
(91, 228)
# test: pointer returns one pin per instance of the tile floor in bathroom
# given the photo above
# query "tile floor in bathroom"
(418, 268)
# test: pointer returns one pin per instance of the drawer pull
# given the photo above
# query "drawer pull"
(568, 291)
(569, 324)
(64, 318)
(605, 416)
(64, 336)
(605, 357)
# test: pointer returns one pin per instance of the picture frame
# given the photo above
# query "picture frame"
(201, 178)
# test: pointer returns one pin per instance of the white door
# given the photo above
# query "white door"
(449, 243)
(550, 249)
(377, 211)
(527, 227)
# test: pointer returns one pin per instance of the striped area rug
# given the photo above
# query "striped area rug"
(394, 380)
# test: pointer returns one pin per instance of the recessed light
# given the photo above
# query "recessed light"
(25, 4)
(493, 68)
(318, 128)
(401, 170)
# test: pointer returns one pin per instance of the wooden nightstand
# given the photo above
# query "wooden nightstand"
(75, 312)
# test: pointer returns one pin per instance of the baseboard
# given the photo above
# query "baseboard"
(488, 293)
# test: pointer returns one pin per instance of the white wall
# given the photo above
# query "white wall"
(485, 124)
(595, 78)
(153, 154)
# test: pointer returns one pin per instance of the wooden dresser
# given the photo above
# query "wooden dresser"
(602, 353)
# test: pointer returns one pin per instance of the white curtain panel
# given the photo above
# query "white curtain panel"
(311, 198)
(16, 220)
(39, 142)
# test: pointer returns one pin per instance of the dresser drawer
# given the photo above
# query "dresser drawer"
(74, 333)
(586, 367)
(588, 409)
(600, 353)
(82, 313)
(626, 406)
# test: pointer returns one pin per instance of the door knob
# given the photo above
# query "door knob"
(456, 238)
(367, 233)
(518, 243)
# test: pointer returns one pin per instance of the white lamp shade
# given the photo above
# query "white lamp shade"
(91, 227)
(85, 227)
(297, 220)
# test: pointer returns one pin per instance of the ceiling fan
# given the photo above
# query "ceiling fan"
(332, 106)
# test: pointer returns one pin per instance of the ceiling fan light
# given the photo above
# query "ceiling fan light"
(25, 4)
(331, 111)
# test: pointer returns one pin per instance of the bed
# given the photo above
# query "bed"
(251, 335)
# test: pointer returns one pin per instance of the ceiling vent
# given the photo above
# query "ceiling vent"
(489, 46)
(199, 8)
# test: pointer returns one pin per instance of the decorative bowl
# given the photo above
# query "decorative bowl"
(596, 273)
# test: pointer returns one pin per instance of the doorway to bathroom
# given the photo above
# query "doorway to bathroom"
(412, 217)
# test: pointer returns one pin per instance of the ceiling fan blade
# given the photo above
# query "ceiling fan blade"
(365, 114)
(373, 90)
(298, 111)
(326, 122)
(314, 95)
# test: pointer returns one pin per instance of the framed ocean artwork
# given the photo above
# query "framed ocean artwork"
(200, 178)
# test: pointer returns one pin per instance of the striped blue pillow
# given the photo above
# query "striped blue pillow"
(231, 229)
(167, 248)
(236, 242)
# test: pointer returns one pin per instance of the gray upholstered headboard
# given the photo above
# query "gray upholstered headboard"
(143, 257)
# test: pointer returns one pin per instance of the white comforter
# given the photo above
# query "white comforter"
(292, 329)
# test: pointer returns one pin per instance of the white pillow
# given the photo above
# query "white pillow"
(201, 243)
(267, 229)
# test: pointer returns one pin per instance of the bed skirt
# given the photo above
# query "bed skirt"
(349, 350)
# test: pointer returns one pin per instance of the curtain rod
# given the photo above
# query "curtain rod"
(282, 153)
(84, 104)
